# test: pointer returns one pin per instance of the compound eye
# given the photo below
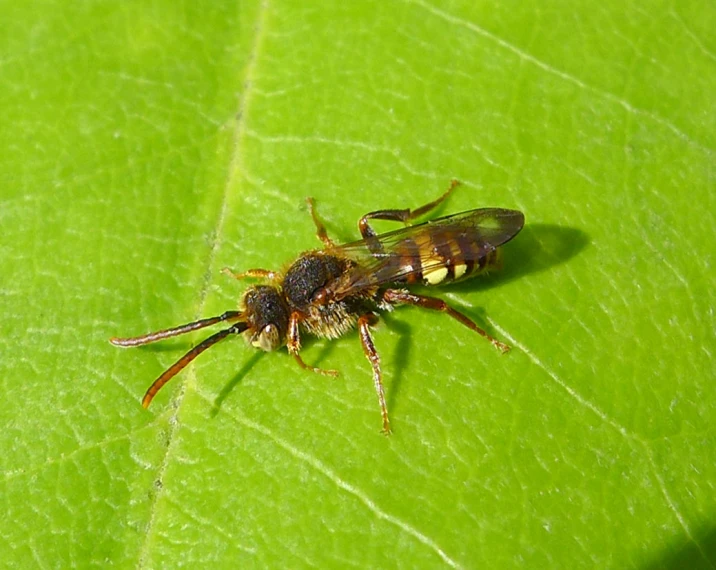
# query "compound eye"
(268, 339)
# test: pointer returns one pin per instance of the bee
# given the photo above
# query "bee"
(328, 292)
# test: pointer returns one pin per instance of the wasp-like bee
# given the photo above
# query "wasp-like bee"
(330, 291)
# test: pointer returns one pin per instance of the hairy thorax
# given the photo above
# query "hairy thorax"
(310, 274)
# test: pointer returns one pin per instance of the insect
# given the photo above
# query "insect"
(328, 292)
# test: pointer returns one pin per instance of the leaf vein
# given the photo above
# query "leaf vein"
(234, 167)
(561, 74)
(330, 474)
(613, 423)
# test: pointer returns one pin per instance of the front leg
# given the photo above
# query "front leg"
(294, 346)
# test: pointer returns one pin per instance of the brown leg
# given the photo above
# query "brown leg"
(371, 354)
(320, 228)
(294, 347)
(394, 296)
(251, 274)
(404, 216)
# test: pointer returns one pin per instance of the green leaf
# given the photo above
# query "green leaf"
(148, 145)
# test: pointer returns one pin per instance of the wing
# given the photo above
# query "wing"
(441, 250)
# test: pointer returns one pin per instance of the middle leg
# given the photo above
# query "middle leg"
(364, 324)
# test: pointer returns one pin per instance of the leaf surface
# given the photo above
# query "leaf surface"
(146, 146)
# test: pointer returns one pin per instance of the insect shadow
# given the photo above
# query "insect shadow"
(238, 377)
(322, 355)
(540, 247)
(678, 551)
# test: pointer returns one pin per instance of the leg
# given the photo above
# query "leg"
(294, 347)
(404, 216)
(320, 228)
(393, 296)
(371, 354)
(251, 274)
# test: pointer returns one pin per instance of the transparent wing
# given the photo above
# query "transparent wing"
(395, 256)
